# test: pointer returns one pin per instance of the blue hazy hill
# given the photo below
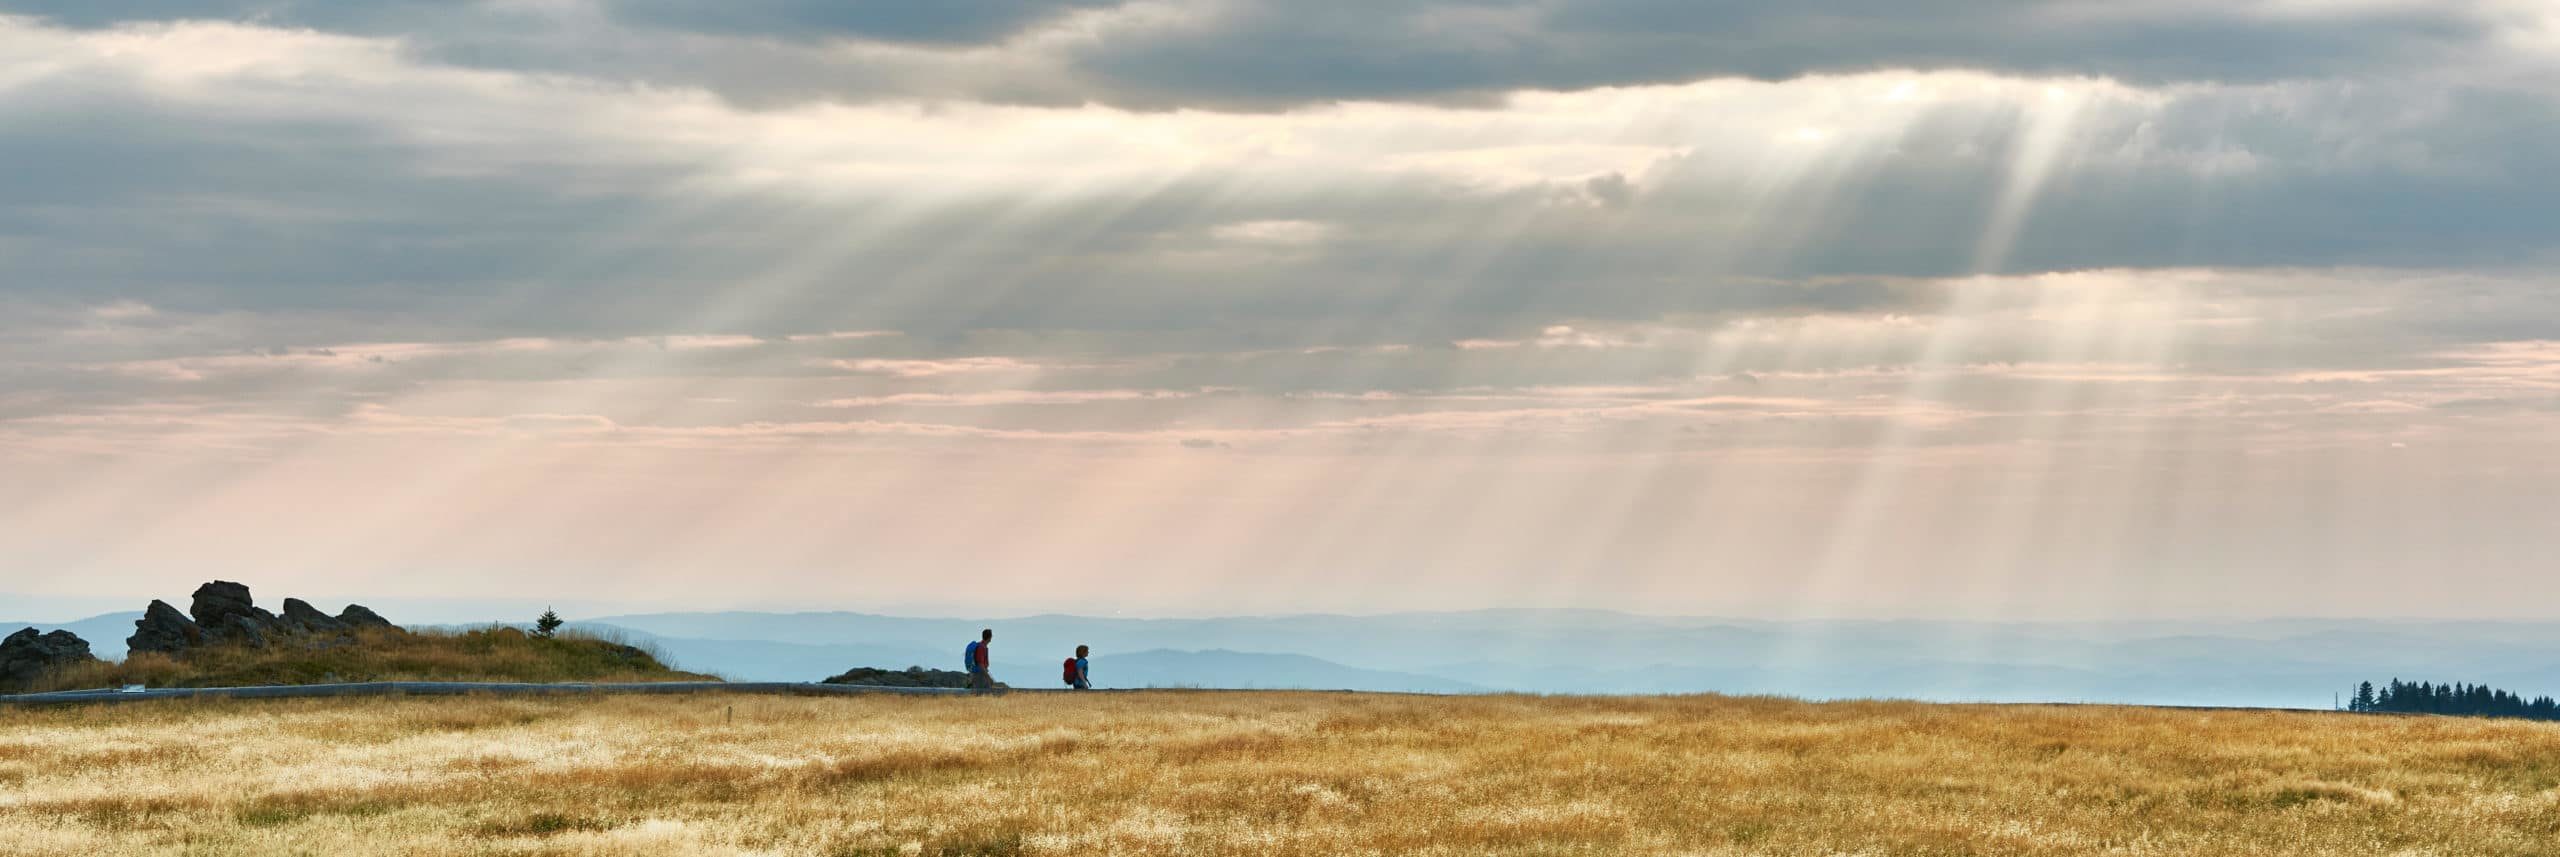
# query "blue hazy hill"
(2275, 662)
(767, 660)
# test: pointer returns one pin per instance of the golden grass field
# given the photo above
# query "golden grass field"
(1260, 773)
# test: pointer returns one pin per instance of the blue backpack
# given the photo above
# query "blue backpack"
(969, 658)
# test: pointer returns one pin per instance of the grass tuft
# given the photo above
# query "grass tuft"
(540, 824)
(1000, 844)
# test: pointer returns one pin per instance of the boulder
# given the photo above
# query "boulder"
(300, 616)
(228, 616)
(27, 656)
(356, 616)
(909, 677)
(216, 602)
(165, 630)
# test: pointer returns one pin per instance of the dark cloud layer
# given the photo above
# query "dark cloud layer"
(1263, 54)
(366, 15)
(951, 23)
(1249, 53)
(207, 207)
(944, 23)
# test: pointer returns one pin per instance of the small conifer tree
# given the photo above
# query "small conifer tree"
(547, 625)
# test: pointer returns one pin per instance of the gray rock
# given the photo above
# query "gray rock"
(356, 616)
(301, 617)
(909, 677)
(27, 656)
(165, 630)
(229, 616)
(244, 630)
(216, 602)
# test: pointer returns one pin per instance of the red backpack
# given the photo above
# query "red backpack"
(1071, 670)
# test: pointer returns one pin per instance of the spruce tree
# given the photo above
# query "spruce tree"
(2453, 697)
(548, 624)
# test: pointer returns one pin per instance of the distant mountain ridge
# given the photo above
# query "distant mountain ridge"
(2276, 662)
(764, 660)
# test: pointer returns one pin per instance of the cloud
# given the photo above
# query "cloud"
(1005, 398)
(1471, 288)
(2137, 349)
(1268, 54)
(1611, 190)
(978, 22)
(931, 368)
(304, 180)
(1243, 53)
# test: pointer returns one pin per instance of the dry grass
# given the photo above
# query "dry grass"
(489, 654)
(1264, 773)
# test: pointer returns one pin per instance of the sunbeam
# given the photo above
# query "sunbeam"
(1885, 339)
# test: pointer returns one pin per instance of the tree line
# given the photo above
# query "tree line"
(2400, 697)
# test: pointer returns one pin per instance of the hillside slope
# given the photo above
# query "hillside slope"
(492, 654)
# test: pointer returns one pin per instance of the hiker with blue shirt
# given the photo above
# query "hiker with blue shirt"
(1079, 670)
(975, 657)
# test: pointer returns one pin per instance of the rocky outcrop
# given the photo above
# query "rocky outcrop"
(909, 677)
(300, 617)
(27, 656)
(165, 630)
(356, 616)
(223, 612)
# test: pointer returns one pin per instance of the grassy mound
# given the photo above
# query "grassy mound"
(488, 654)
(1160, 774)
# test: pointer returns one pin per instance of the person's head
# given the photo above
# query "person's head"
(1081, 651)
(987, 635)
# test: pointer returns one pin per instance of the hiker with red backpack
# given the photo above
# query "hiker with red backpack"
(1078, 670)
(975, 656)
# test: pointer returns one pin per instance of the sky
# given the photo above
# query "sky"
(1978, 309)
